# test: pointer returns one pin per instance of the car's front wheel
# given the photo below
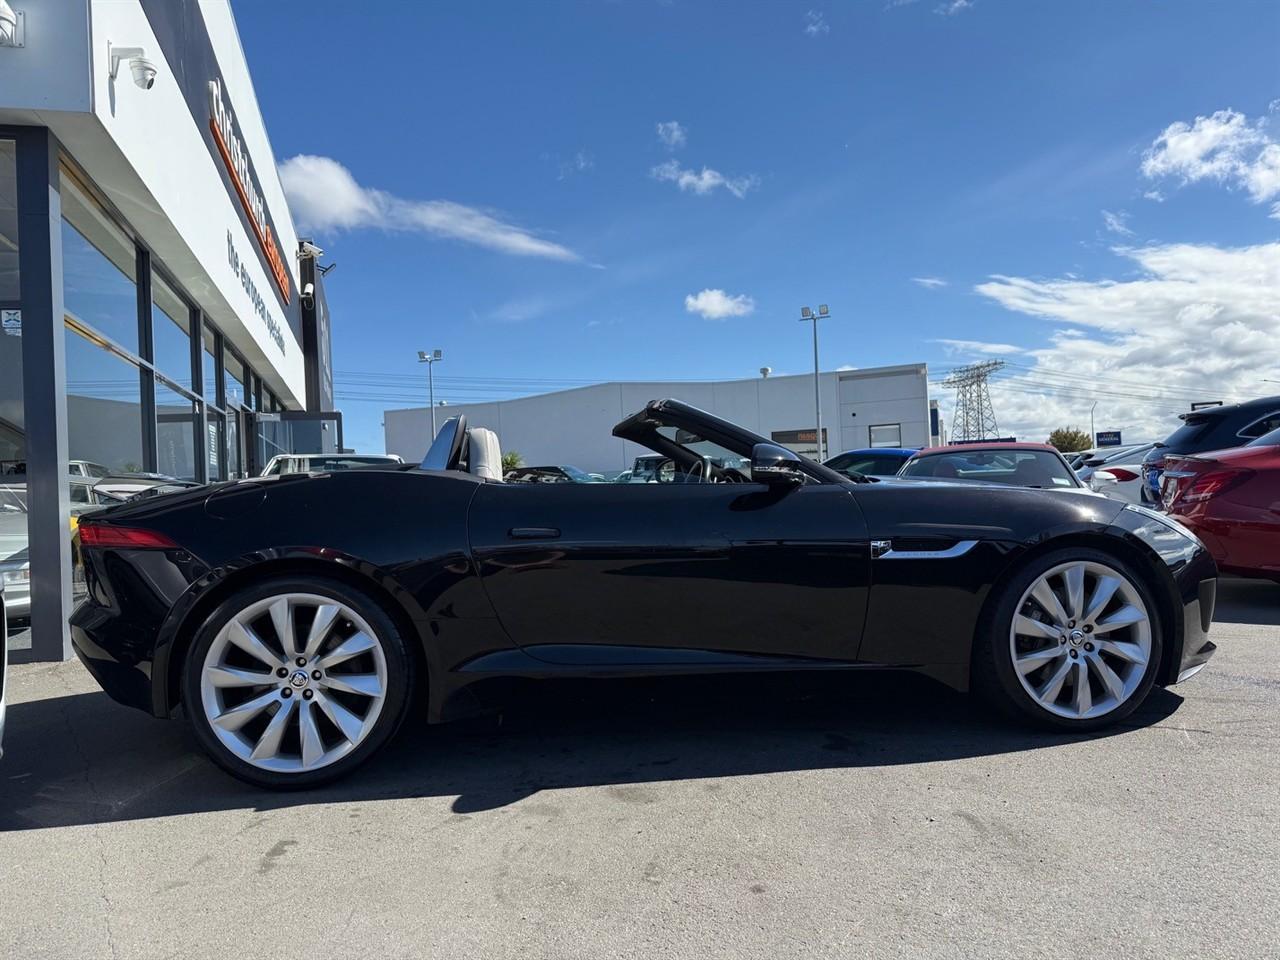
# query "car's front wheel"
(294, 683)
(1073, 642)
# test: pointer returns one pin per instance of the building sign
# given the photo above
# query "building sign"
(1107, 438)
(222, 123)
(12, 322)
(251, 290)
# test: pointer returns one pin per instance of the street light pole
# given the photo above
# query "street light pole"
(431, 359)
(1093, 434)
(822, 314)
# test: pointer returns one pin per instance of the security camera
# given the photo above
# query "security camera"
(143, 70)
(309, 295)
(307, 249)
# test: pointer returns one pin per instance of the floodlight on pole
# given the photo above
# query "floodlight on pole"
(431, 359)
(807, 314)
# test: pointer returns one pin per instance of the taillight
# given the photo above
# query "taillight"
(110, 537)
(1121, 474)
(1214, 483)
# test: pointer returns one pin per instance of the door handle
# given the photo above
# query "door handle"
(533, 533)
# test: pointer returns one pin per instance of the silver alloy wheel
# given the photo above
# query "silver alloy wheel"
(1081, 639)
(294, 682)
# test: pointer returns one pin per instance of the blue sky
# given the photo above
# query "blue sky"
(493, 181)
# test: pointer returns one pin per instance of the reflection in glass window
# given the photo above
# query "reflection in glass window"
(233, 374)
(175, 433)
(170, 333)
(886, 435)
(104, 406)
(208, 356)
(8, 221)
(213, 446)
(98, 269)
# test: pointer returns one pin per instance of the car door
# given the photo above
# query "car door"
(648, 572)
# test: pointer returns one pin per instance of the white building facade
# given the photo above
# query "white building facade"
(875, 407)
(156, 315)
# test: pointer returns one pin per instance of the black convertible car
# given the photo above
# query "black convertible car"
(295, 616)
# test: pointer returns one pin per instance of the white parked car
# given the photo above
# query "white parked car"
(1121, 477)
(1120, 455)
(326, 462)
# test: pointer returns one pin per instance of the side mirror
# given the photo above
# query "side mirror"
(1102, 478)
(775, 465)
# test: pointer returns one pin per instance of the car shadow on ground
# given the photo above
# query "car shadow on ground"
(1247, 601)
(82, 759)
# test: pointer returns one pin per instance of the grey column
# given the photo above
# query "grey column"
(44, 392)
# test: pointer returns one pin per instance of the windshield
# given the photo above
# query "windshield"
(867, 464)
(706, 449)
(1017, 468)
(575, 473)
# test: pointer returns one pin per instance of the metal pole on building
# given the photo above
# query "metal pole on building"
(822, 314)
(431, 359)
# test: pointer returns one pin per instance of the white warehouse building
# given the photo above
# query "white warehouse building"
(874, 407)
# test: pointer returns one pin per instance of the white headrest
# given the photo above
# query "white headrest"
(486, 455)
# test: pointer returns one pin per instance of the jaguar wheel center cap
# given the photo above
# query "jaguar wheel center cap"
(1077, 637)
(299, 679)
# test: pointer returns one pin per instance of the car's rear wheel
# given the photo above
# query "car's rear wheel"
(294, 683)
(1073, 642)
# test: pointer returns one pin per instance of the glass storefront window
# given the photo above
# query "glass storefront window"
(175, 433)
(98, 269)
(210, 369)
(104, 406)
(233, 374)
(170, 333)
(9, 289)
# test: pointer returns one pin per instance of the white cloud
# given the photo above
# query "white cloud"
(672, 134)
(1154, 195)
(929, 283)
(1199, 322)
(979, 346)
(1224, 147)
(580, 162)
(324, 196)
(704, 181)
(815, 24)
(717, 305)
(1117, 222)
(952, 7)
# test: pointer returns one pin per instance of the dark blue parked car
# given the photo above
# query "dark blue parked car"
(872, 462)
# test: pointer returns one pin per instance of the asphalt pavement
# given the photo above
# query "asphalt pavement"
(835, 816)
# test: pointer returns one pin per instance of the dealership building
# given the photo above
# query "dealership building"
(873, 407)
(159, 312)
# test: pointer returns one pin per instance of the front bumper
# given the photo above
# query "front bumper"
(1197, 616)
(1190, 579)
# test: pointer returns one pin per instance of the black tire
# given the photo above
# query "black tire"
(993, 675)
(400, 682)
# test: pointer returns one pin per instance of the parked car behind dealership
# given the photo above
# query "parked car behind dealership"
(1231, 500)
(551, 474)
(1213, 428)
(872, 462)
(1117, 455)
(1011, 464)
(15, 566)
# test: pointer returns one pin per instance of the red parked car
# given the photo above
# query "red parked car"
(1231, 500)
